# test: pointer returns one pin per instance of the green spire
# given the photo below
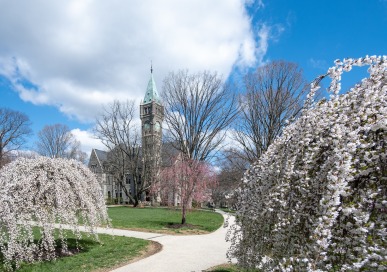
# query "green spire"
(151, 91)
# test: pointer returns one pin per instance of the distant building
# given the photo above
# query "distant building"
(152, 115)
(98, 165)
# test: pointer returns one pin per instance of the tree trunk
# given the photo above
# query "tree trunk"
(183, 215)
(135, 202)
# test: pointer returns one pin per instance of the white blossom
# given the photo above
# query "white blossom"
(317, 199)
(41, 192)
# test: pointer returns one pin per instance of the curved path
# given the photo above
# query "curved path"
(190, 253)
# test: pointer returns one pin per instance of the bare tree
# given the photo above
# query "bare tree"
(14, 127)
(116, 129)
(274, 95)
(76, 153)
(57, 141)
(27, 154)
(199, 108)
(229, 178)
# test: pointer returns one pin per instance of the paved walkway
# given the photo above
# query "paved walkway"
(190, 253)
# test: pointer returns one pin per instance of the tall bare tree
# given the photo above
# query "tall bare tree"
(229, 178)
(57, 141)
(199, 109)
(274, 94)
(116, 128)
(14, 128)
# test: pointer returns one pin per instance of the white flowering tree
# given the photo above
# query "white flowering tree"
(317, 199)
(39, 193)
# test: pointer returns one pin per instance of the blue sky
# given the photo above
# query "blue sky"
(61, 61)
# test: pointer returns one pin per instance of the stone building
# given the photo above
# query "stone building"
(151, 115)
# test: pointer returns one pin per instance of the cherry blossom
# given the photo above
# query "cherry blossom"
(317, 199)
(188, 180)
(40, 193)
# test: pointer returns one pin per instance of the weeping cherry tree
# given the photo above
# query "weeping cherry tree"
(317, 199)
(38, 193)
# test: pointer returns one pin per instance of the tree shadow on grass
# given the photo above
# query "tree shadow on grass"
(74, 247)
(173, 225)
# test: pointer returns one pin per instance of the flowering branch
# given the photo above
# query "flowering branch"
(41, 192)
(317, 199)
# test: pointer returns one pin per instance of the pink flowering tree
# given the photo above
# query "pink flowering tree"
(40, 193)
(317, 199)
(188, 180)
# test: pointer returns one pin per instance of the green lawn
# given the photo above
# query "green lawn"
(230, 268)
(109, 253)
(158, 219)
(228, 210)
(114, 251)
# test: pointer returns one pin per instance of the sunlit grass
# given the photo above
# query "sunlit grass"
(114, 251)
(230, 268)
(109, 252)
(159, 219)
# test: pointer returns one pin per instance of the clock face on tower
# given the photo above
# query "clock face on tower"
(147, 127)
(157, 127)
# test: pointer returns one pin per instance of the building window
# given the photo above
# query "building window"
(147, 110)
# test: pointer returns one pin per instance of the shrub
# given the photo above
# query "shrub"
(317, 199)
(39, 193)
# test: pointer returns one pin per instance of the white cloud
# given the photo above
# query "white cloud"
(81, 54)
(318, 64)
(87, 140)
(263, 44)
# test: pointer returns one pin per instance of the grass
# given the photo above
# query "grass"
(230, 268)
(161, 219)
(105, 255)
(227, 210)
(115, 251)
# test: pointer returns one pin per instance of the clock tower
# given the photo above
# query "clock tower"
(152, 115)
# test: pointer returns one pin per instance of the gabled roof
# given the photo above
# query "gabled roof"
(168, 153)
(101, 155)
(151, 92)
